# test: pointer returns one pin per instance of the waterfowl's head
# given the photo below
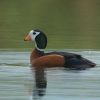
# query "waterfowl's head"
(38, 37)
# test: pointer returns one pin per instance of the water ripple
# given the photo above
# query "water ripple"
(16, 79)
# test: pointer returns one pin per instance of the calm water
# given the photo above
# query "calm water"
(16, 81)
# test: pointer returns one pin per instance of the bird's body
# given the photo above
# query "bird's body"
(41, 60)
(61, 59)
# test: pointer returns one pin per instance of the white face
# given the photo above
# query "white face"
(33, 34)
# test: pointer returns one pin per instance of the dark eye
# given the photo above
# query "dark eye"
(34, 33)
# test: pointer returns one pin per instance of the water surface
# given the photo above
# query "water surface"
(16, 79)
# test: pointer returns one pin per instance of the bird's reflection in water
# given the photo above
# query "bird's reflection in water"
(40, 84)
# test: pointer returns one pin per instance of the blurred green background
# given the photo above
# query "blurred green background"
(68, 24)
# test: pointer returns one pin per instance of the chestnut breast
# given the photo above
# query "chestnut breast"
(35, 54)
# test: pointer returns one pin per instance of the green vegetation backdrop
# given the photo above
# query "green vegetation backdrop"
(69, 24)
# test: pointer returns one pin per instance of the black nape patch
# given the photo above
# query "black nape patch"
(41, 41)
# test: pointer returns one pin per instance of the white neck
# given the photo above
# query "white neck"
(38, 48)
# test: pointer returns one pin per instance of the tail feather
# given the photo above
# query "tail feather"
(80, 63)
(89, 63)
